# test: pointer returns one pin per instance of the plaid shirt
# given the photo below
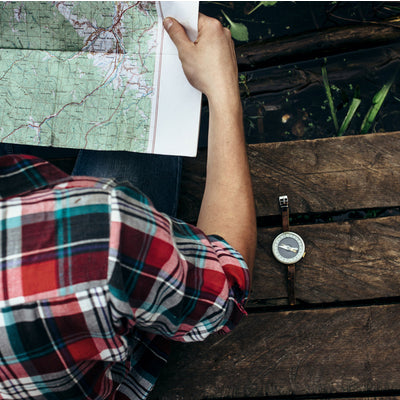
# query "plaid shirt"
(94, 281)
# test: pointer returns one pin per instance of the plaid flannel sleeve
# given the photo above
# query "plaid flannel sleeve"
(178, 283)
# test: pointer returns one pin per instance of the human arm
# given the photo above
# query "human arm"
(209, 63)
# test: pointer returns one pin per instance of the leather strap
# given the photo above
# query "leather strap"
(284, 205)
(291, 272)
(285, 219)
(291, 283)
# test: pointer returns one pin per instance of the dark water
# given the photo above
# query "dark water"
(289, 101)
(302, 111)
(287, 18)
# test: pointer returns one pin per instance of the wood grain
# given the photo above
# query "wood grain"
(321, 175)
(342, 350)
(354, 260)
(316, 44)
(340, 70)
(383, 397)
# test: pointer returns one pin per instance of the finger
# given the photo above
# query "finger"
(202, 20)
(176, 32)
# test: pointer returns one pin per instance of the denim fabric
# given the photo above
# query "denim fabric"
(158, 176)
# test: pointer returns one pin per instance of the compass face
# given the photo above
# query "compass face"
(288, 248)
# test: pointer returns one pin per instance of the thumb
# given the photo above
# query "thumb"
(176, 32)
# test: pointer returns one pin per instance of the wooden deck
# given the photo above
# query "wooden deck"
(342, 339)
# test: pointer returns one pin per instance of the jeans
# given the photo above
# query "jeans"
(158, 176)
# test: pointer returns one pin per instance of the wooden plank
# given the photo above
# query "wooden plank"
(344, 350)
(322, 175)
(346, 261)
(296, 77)
(319, 44)
(325, 175)
(377, 397)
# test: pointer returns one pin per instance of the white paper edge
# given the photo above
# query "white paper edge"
(177, 116)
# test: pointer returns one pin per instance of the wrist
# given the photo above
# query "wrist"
(225, 102)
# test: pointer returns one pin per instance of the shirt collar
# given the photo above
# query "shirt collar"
(21, 174)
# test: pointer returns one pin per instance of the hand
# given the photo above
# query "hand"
(210, 62)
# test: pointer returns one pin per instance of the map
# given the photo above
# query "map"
(81, 74)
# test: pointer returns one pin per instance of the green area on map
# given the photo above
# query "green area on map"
(77, 74)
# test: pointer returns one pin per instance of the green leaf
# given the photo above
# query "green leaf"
(330, 98)
(377, 102)
(238, 31)
(263, 3)
(349, 116)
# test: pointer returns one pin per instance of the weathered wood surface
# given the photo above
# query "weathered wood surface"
(344, 397)
(327, 351)
(296, 77)
(322, 175)
(353, 260)
(310, 351)
(317, 44)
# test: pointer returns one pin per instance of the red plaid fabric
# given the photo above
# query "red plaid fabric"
(94, 282)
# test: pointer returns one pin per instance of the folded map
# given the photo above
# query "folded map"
(96, 75)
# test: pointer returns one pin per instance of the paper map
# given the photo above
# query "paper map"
(95, 75)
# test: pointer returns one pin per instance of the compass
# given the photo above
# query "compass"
(288, 248)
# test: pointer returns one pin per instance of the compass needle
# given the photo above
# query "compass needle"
(288, 248)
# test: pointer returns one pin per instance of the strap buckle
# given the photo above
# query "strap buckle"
(283, 202)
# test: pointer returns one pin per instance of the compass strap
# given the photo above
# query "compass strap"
(291, 284)
(284, 205)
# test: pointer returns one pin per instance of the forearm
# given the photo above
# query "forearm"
(228, 206)
(210, 65)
